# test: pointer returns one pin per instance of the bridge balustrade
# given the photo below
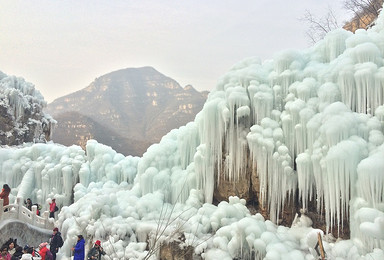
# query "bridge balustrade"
(20, 212)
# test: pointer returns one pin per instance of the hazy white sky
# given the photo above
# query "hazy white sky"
(62, 46)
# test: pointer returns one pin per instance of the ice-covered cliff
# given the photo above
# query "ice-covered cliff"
(22, 117)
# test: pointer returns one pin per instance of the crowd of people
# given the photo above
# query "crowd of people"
(46, 250)
(10, 250)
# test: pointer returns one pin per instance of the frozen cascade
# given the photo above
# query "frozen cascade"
(342, 142)
(335, 44)
(340, 178)
(273, 164)
(306, 179)
(37, 174)
(378, 99)
(236, 143)
(188, 141)
(262, 101)
(104, 164)
(347, 86)
(291, 125)
(379, 112)
(176, 159)
(307, 90)
(372, 188)
(212, 122)
(364, 78)
(368, 209)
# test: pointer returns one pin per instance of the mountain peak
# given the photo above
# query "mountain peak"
(145, 69)
(138, 104)
(189, 87)
(132, 72)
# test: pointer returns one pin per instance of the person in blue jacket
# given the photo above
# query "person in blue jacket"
(79, 249)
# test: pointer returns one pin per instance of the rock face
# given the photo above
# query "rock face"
(174, 251)
(128, 109)
(248, 188)
(21, 113)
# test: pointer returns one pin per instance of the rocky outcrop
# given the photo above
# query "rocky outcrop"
(175, 251)
(248, 188)
(363, 22)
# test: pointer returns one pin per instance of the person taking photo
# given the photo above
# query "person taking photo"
(96, 251)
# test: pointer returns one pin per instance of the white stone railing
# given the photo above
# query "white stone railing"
(19, 212)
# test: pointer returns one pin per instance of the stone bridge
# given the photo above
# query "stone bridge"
(17, 221)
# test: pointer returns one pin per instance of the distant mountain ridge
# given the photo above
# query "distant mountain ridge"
(128, 109)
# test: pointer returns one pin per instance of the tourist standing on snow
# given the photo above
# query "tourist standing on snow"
(96, 251)
(43, 250)
(79, 250)
(56, 242)
(52, 208)
(5, 194)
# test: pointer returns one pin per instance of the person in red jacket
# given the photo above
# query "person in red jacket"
(52, 207)
(4, 255)
(5, 194)
(43, 250)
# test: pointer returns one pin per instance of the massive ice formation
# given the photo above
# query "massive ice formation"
(311, 119)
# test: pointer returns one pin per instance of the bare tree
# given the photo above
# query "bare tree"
(364, 13)
(319, 27)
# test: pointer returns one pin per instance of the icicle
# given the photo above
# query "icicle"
(367, 52)
(347, 86)
(306, 178)
(235, 140)
(364, 78)
(273, 165)
(377, 93)
(188, 140)
(335, 44)
(261, 101)
(371, 178)
(341, 162)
